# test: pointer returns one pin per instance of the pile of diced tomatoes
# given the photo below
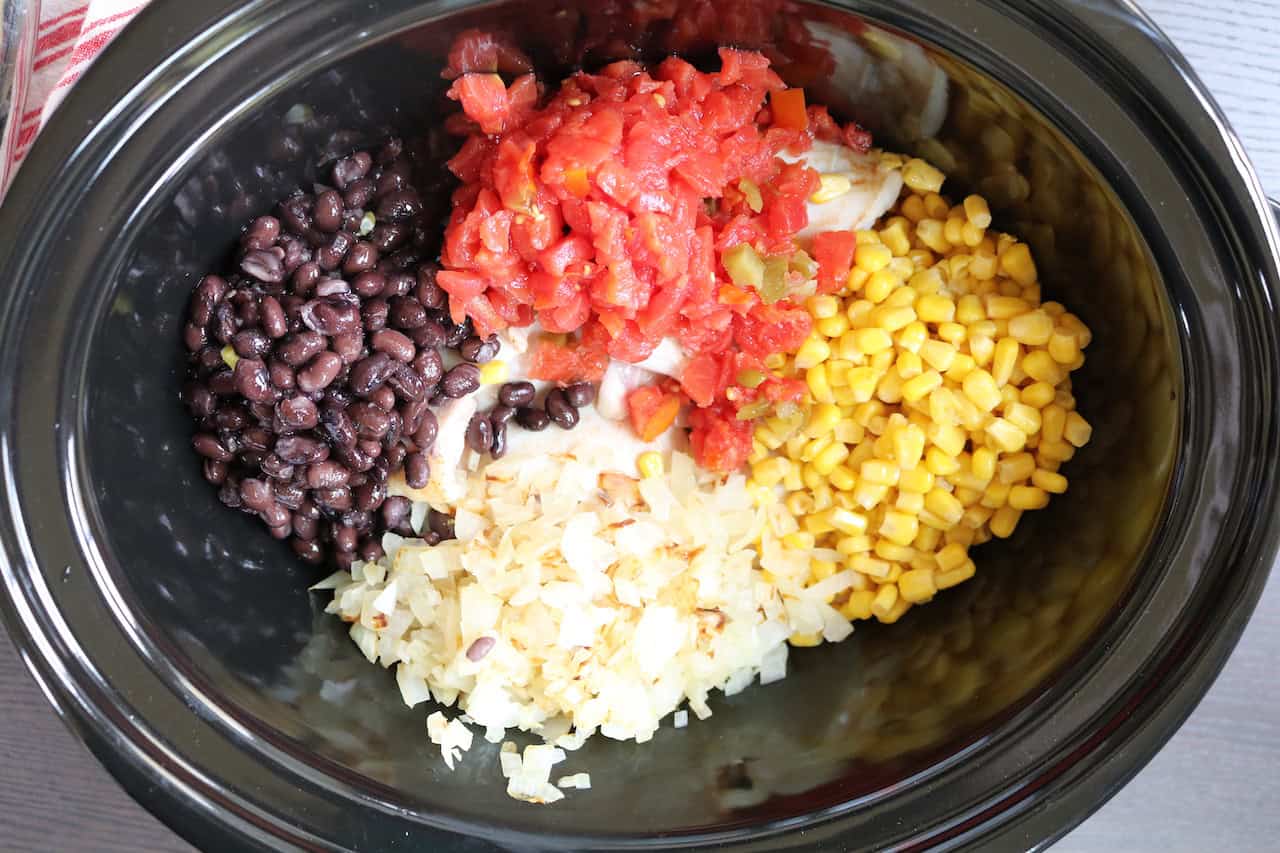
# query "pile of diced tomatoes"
(603, 210)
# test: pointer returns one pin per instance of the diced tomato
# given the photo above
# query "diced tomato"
(719, 441)
(652, 411)
(780, 327)
(704, 378)
(477, 50)
(565, 364)
(484, 99)
(833, 250)
(788, 109)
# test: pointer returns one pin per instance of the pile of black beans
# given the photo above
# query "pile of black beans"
(316, 361)
(487, 432)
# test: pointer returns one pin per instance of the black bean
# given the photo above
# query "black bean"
(391, 182)
(225, 322)
(349, 347)
(274, 322)
(246, 307)
(411, 415)
(480, 433)
(501, 415)
(338, 396)
(208, 293)
(532, 419)
(345, 539)
(407, 313)
(328, 211)
(369, 283)
(560, 410)
(337, 427)
(358, 193)
(425, 435)
(400, 205)
(332, 316)
(290, 495)
(368, 373)
(431, 537)
(350, 169)
(306, 548)
(390, 150)
(395, 511)
(256, 438)
(209, 359)
(199, 399)
(478, 350)
(256, 494)
(337, 500)
(319, 372)
(370, 496)
(296, 253)
(229, 494)
(580, 394)
(455, 335)
(428, 292)
(277, 518)
(304, 527)
(384, 398)
(297, 349)
(440, 524)
(430, 334)
(343, 562)
(362, 256)
(327, 475)
(250, 343)
(374, 314)
(480, 648)
(394, 428)
(498, 447)
(371, 550)
(275, 468)
(252, 380)
(298, 412)
(265, 228)
(223, 382)
(399, 284)
(393, 343)
(194, 337)
(332, 287)
(232, 418)
(516, 394)
(264, 265)
(371, 421)
(417, 471)
(461, 380)
(388, 237)
(295, 214)
(282, 375)
(330, 256)
(215, 472)
(300, 450)
(392, 459)
(305, 278)
(408, 385)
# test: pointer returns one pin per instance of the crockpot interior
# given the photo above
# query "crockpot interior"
(229, 607)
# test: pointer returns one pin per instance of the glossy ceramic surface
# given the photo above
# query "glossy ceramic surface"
(180, 642)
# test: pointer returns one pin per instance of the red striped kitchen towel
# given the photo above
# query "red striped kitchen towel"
(69, 36)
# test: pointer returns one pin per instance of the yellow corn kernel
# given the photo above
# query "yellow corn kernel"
(1016, 468)
(873, 340)
(1006, 307)
(799, 503)
(493, 373)
(800, 540)
(908, 365)
(960, 534)
(899, 528)
(813, 351)
(865, 564)
(922, 177)
(859, 605)
(953, 230)
(891, 318)
(829, 457)
(951, 557)
(1050, 481)
(909, 502)
(1038, 394)
(847, 522)
(823, 305)
(770, 472)
(832, 327)
(1004, 521)
(982, 348)
(977, 211)
(822, 569)
(949, 439)
(917, 586)
(872, 257)
(996, 495)
(811, 479)
(1004, 360)
(908, 446)
(935, 308)
(981, 389)
(1053, 422)
(1024, 417)
(1006, 437)
(650, 464)
(913, 336)
(822, 420)
(830, 188)
(883, 604)
(939, 463)
(851, 545)
(937, 354)
(895, 237)
(1054, 451)
(806, 641)
(952, 333)
(953, 577)
(983, 464)
(1017, 263)
(868, 495)
(969, 310)
(842, 478)
(816, 378)
(1032, 329)
(1028, 497)
(919, 480)
(944, 505)
(921, 386)
(817, 523)
(1077, 430)
(1063, 348)
(878, 471)
(1040, 366)
(880, 284)
(932, 233)
(229, 356)
(775, 361)
(849, 431)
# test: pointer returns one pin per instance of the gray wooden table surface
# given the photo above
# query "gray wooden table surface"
(1215, 786)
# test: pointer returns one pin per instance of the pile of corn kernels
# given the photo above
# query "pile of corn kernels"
(940, 406)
